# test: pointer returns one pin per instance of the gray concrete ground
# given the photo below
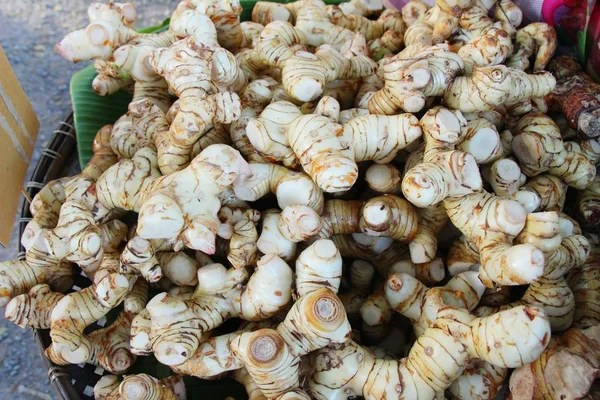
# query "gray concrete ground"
(28, 31)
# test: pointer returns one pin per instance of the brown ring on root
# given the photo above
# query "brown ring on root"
(266, 347)
(324, 310)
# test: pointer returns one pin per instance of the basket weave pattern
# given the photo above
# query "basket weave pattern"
(72, 382)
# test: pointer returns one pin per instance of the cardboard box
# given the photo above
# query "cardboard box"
(18, 130)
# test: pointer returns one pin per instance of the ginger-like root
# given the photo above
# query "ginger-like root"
(268, 133)
(141, 170)
(392, 40)
(431, 220)
(504, 176)
(506, 179)
(33, 309)
(366, 8)
(551, 291)
(330, 155)
(133, 58)
(507, 12)
(384, 216)
(139, 342)
(45, 209)
(45, 206)
(75, 311)
(490, 87)
(391, 257)
(196, 20)
(213, 358)
(143, 125)
(357, 23)
(217, 135)
(304, 75)
(389, 216)
(385, 35)
(420, 32)
(177, 64)
(480, 380)
(243, 248)
(462, 256)
(313, 22)
(290, 187)
(179, 268)
(588, 206)
(445, 173)
(272, 357)
(566, 369)
(484, 41)
(177, 324)
(553, 295)
(229, 29)
(376, 311)
(481, 140)
(110, 78)
(137, 299)
(255, 97)
(537, 39)
(109, 347)
(242, 376)
(139, 387)
(414, 11)
(109, 28)
(492, 48)
(333, 165)
(384, 178)
(361, 274)
(439, 22)
(491, 223)
(250, 34)
(551, 190)
(299, 223)
(282, 230)
(139, 256)
(415, 301)
(475, 20)
(539, 148)
(273, 238)
(588, 147)
(584, 283)
(265, 12)
(413, 75)
(319, 265)
(437, 358)
(168, 206)
(77, 237)
(39, 267)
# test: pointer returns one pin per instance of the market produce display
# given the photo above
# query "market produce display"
(328, 201)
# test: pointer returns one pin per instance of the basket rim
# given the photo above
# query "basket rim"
(61, 146)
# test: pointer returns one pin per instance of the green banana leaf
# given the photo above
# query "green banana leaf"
(92, 112)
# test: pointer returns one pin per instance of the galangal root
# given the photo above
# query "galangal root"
(327, 201)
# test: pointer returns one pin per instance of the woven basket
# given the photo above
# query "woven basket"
(57, 160)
